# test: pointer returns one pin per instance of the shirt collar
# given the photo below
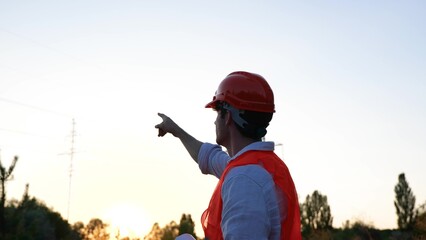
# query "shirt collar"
(258, 146)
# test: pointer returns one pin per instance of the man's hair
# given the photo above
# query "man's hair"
(255, 122)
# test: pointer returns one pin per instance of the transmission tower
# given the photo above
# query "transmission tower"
(70, 170)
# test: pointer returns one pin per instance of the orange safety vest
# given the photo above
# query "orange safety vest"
(290, 227)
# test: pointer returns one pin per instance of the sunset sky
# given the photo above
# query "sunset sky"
(349, 79)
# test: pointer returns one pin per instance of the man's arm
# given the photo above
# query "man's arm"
(191, 144)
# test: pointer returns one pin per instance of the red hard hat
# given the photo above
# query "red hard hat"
(245, 91)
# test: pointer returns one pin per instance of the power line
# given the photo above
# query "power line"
(25, 133)
(73, 131)
(33, 107)
(72, 148)
(34, 42)
(30, 40)
(13, 102)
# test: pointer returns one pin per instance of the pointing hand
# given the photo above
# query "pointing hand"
(167, 126)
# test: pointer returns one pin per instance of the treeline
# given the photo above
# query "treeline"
(172, 230)
(317, 221)
(30, 219)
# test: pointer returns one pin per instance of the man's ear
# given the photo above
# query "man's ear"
(228, 118)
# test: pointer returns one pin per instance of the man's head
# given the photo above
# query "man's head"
(249, 100)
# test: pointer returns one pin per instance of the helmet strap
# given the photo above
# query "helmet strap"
(235, 113)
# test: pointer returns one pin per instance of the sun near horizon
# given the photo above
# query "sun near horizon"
(127, 220)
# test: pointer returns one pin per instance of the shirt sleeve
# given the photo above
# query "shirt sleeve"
(212, 159)
(244, 213)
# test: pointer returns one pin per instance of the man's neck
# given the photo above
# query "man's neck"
(238, 144)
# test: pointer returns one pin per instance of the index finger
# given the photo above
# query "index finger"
(163, 116)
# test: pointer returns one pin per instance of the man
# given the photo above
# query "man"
(255, 197)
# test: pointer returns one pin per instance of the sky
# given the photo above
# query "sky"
(349, 79)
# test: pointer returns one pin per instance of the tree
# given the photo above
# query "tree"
(78, 227)
(32, 219)
(404, 204)
(172, 230)
(155, 233)
(186, 225)
(5, 175)
(316, 213)
(94, 230)
(420, 222)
